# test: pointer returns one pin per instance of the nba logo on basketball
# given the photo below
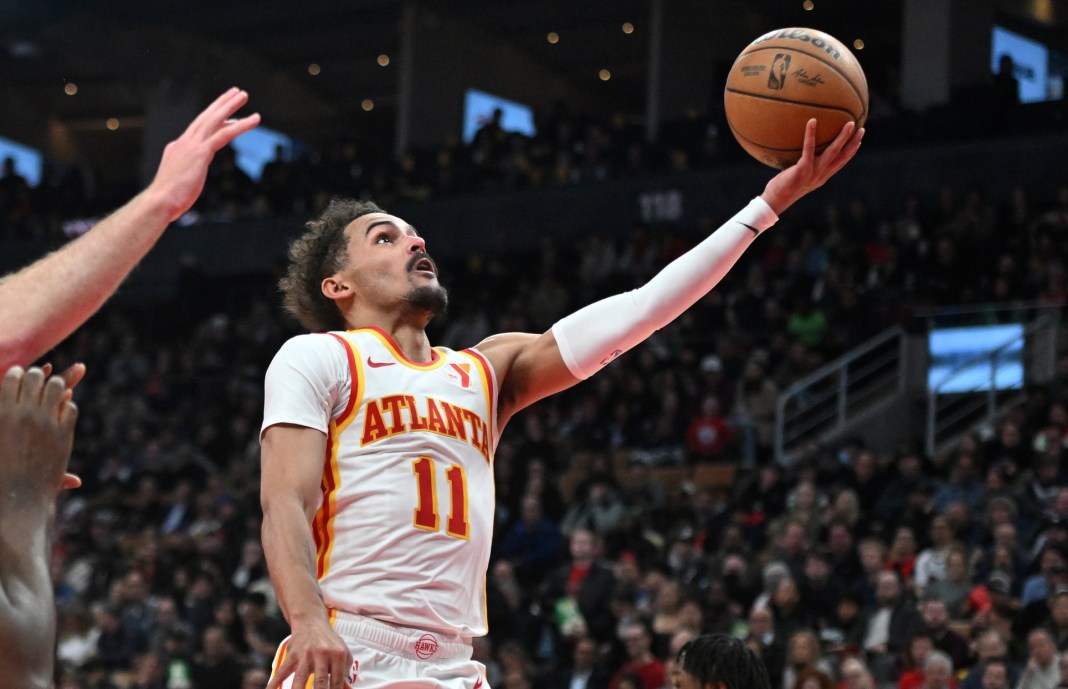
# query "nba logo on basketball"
(426, 646)
(777, 76)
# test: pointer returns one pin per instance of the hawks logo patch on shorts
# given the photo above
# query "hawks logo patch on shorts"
(426, 646)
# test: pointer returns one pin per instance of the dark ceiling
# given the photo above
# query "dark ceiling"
(115, 50)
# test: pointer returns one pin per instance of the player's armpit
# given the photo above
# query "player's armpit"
(528, 367)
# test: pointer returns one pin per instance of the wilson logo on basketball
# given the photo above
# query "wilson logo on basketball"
(426, 646)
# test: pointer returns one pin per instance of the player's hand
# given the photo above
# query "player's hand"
(811, 171)
(316, 650)
(184, 166)
(37, 419)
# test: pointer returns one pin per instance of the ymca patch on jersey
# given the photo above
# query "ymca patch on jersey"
(459, 375)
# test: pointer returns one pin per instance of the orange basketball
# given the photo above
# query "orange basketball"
(783, 79)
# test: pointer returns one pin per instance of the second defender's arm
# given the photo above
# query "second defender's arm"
(290, 493)
(45, 302)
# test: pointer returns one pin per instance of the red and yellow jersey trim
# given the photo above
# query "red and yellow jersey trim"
(436, 359)
(323, 522)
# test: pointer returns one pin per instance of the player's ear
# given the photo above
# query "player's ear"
(336, 288)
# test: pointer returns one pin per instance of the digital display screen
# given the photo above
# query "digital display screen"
(963, 359)
(479, 107)
(1030, 63)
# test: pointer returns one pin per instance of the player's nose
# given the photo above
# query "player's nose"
(418, 245)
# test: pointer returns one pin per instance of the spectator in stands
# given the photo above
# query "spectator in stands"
(935, 623)
(1042, 669)
(885, 625)
(804, 654)
(931, 561)
(583, 671)
(637, 640)
(586, 583)
(956, 588)
(990, 647)
(533, 543)
(938, 671)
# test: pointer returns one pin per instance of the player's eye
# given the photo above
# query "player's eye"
(383, 238)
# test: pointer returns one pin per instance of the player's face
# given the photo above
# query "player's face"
(388, 260)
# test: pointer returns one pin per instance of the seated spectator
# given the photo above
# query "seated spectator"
(935, 622)
(885, 626)
(996, 674)
(855, 674)
(938, 671)
(1042, 669)
(956, 589)
(804, 654)
(990, 646)
(637, 639)
(813, 679)
(920, 646)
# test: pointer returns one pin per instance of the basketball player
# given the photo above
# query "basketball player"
(718, 661)
(39, 306)
(377, 449)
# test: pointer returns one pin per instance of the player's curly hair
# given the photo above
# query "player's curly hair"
(313, 256)
(719, 660)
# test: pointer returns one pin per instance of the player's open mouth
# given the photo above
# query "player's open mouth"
(424, 265)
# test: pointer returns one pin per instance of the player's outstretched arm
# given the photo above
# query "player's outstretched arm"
(291, 460)
(531, 367)
(37, 422)
(43, 303)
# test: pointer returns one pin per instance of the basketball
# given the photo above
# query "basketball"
(783, 79)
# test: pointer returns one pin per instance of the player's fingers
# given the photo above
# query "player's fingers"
(847, 153)
(222, 109)
(47, 368)
(33, 383)
(73, 375)
(68, 416)
(233, 129)
(835, 147)
(9, 388)
(808, 148)
(54, 390)
(339, 670)
(285, 669)
(219, 109)
(71, 481)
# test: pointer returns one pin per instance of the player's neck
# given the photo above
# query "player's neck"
(406, 330)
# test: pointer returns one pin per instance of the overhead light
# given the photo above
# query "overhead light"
(553, 37)
(604, 75)
(368, 105)
(313, 69)
(809, 5)
(113, 123)
(383, 60)
(858, 44)
(70, 88)
(628, 28)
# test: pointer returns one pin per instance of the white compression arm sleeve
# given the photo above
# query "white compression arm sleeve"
(593, 336)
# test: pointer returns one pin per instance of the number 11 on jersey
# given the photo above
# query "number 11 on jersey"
(426, 510)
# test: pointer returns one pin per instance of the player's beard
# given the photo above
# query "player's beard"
(432, 299)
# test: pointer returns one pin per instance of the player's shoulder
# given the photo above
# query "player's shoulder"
(317, 344)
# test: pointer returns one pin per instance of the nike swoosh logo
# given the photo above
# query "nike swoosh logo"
(751, 228)
(379, 364)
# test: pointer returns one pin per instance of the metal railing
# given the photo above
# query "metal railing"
(855, 385)
(957, 402)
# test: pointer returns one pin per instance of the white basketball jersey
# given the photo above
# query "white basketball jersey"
(404, 530)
